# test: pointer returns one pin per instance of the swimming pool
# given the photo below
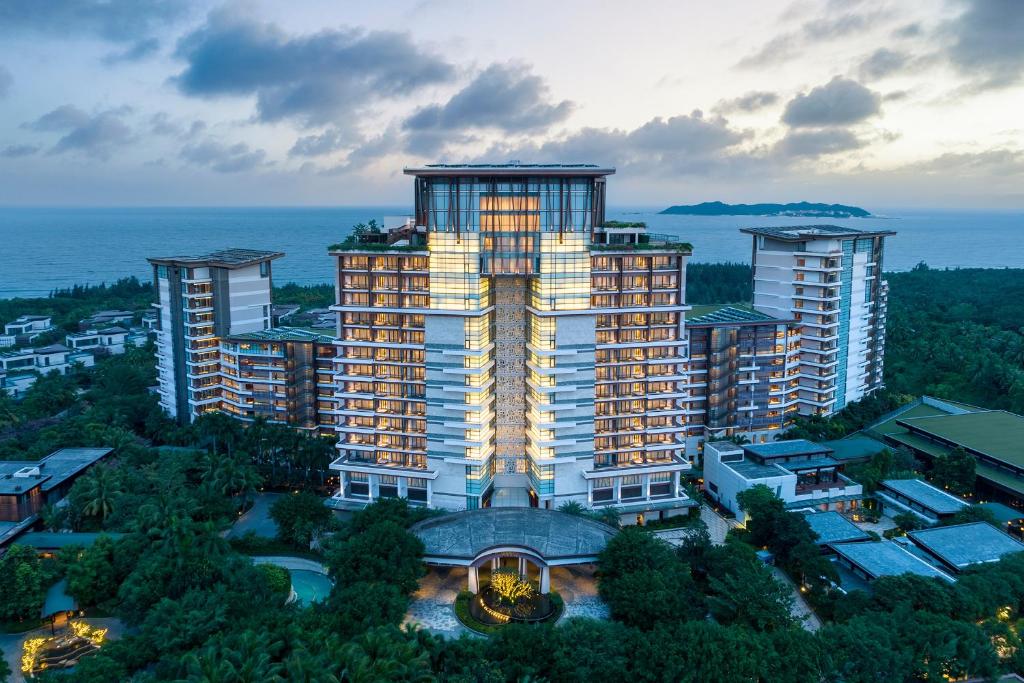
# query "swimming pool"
(309, 586)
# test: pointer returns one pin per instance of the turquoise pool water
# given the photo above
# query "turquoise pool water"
(309, 586)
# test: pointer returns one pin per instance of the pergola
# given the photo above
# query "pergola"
(520, 537)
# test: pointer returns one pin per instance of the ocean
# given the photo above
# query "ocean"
(42, 249)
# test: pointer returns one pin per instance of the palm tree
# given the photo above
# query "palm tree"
(101, 489)
(232, 477)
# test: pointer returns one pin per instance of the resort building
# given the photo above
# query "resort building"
(960, 546)
(833, 527)
(25, 329)
(870, 560)
(285, 375)
(106, 318)
(744, 373)
(506, 347)
(802, 473)
(202, 299)
(928, 503)
(110, 340)
(828, 279)
(26, 486)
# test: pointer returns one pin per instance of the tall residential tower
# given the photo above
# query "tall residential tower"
(509, 347)
(829, 279)
(200, 300)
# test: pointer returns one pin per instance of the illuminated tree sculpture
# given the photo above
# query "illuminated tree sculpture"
(510, 586)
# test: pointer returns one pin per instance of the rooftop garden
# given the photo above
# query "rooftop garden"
(624, 224)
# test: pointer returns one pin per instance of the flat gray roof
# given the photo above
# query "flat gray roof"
(832, 527)
(780, 449)
(553, 535)
(47, 540)
(962, 545)
(926, 495)
(749, 469)
(885, 558)
(509, 169)
(799, 233)
(54, 469)
(729, 315)
(225, 258)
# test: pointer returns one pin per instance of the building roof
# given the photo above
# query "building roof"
(885, 558)
(854, 448)
(52, 348)
(801, 233)
(283, 334)
(553, 535)
(54, 469)
(510, 169)
(962, 545)
(58, 600)
(832, 527)
(729, 314)
(46, 540)
(925, 494)
(751, 469)
(1003, 514)
(113, 330)
(810, 463)
(994, 433)
(790, 447)
(225, 258)
(31, 318)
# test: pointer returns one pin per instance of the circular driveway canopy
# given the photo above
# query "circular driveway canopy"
(556, 538)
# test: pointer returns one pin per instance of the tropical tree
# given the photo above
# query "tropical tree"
(21, 584)
(300, 517)
(100, 490)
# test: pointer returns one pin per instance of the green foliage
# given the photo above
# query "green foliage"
(21, 584)
(644, 583)
(383, 550)
(854, 417)
(954, 472)
(300, 517)
(973, 513)
(278, 579)
(92, 574)
(718, 283)
(886, 464)
(956, 334)
(306, 296)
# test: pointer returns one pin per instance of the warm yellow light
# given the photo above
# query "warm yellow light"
(30, 651)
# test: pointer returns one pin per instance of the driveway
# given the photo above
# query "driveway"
(257, 518)
(433, 604)
(801, 611)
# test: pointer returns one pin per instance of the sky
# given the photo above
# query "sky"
(905, 103)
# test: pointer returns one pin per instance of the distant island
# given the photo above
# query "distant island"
(807, 209)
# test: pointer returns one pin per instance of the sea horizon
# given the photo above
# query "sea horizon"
(58, 247)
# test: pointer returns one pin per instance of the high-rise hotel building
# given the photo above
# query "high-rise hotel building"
(202, 299)
(828, 279)
(508, 347)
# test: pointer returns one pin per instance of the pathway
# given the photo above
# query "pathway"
(801, 611)
(578, 587)
(433, 603)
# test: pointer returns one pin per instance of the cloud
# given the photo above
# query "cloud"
(679, 145)
(137, 52)
(837, 103)
(504, 97)
(911, 30)
(162, 124)
(6, 79)
(815, 143)
(223, 158)
(881, 63)
(15, 151)
(313, 78)
(749, 102)
(331, 140)
(93, 135)
(120, 21)
(986, 42)
(992, 162)
(789, 45)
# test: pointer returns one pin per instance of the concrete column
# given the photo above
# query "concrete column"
(474, 580)
(430, 493)
(522, 566)
(545, 579)
(618, 489)
(647, 486)
(403, 487)
(495, 563)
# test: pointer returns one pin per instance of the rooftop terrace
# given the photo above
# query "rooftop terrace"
(283, 334)
(729, 314)
(792, 447)
(509, 169)
(801, 233)
(225, 258)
